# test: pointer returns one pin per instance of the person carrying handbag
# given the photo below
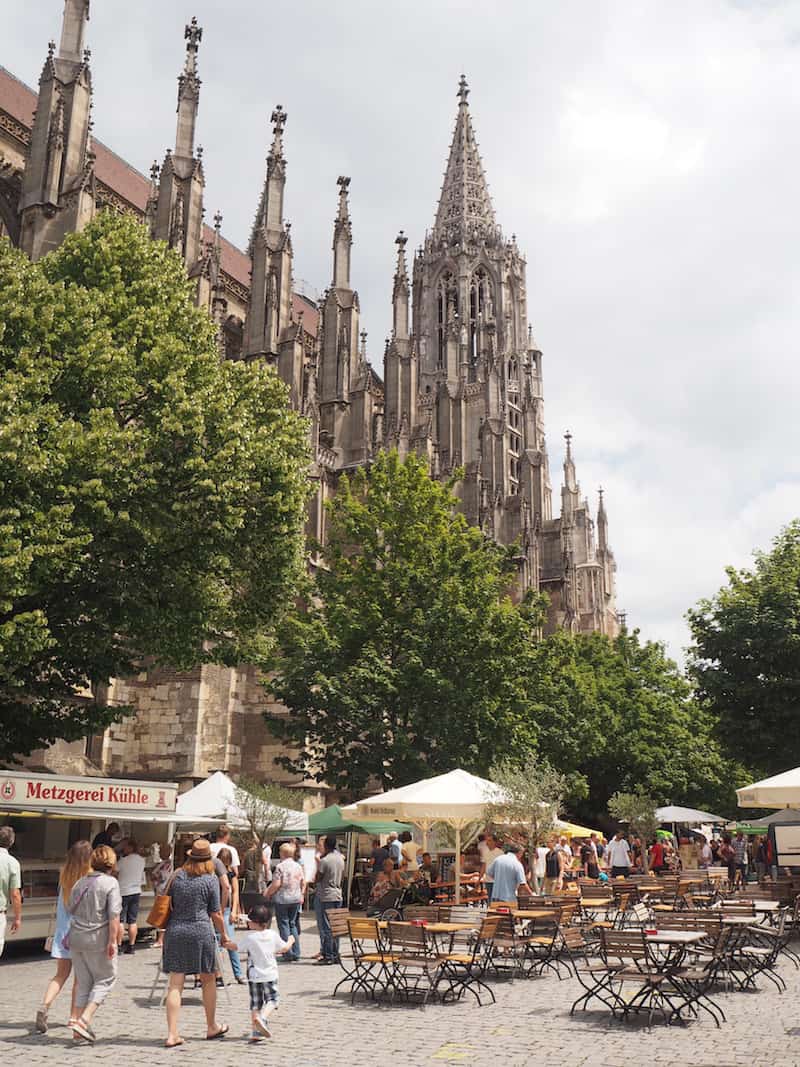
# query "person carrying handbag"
(76, 866)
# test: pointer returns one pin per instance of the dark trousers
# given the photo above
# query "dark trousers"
(616, 872)
(328, 944)
(287, 917)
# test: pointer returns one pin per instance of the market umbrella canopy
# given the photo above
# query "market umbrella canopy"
(779, 791)
(215, 798)
(456, 798)
(334, 820)
(675, 813)
(457, 795)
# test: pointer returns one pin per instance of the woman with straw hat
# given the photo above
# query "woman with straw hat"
(189, 943)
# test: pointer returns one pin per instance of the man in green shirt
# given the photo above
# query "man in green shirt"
(10, 885)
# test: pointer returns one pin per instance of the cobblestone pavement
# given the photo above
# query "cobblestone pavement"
(530, 1023)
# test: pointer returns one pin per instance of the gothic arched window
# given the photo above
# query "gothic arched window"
(446, 295)
(480, 303)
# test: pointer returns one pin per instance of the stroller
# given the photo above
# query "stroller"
(390, 906)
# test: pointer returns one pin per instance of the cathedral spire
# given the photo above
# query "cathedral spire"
(400, 290)
(570, 480)
(602, 520)
(73, 28)
(188, 93)
(465, 207)
(342, 237)
(269, 214)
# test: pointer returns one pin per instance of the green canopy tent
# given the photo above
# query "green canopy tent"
(331, 821)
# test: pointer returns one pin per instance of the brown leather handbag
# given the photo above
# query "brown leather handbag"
(161, 909)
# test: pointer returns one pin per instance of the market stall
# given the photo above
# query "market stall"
(49, 812)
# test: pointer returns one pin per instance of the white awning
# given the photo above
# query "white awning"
(779, 791)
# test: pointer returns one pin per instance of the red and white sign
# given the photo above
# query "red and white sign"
(33, 791)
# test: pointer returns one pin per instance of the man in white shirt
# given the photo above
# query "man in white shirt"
(618, 856)
(130, 874)
(492, 852)
(224, 841)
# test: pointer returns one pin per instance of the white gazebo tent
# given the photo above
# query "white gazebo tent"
(779, 791)
(456, 798)
(215, 798)
(674, 814)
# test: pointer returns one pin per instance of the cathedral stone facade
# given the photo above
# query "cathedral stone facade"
(462, 376)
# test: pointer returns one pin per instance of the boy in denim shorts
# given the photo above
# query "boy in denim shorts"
(262, 946)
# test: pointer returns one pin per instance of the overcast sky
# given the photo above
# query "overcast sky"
(645, 154)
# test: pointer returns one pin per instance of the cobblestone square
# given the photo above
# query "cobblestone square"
(530, 1023)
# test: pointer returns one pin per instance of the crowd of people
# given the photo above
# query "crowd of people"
(211, 890)
(96, 919)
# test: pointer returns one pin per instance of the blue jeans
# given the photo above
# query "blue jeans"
(328, 945)
(236, 963)
(287, 917)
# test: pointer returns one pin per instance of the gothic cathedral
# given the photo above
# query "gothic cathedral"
(462, 376)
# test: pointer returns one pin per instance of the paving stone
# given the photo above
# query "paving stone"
(529, 1023)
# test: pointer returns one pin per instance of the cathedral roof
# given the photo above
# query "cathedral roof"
(465, 206)
(19, 101)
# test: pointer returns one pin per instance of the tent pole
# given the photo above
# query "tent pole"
(457, 864)
(351, 865)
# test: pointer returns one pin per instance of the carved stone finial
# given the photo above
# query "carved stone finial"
(154, 171)
(87, 55)
(568, 439)
(193, 35)
(343, 183)
(463, 90)
(218, 221)
(278, 119)
(51, 49)
(401, 240)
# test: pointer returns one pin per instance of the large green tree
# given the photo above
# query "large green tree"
(151, 494)
(745, 656)
(619, 715)
(405, 658)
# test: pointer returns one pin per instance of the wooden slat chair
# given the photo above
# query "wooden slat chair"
(338, 919)
(738, 907)
(595, 974)
(370, 960)
(638, 915)
(508, 949)
(546, 951)
(464, 970)
(629, 953)
(763, 948)
(695, 981)
(615, 915)
(414, 968)
(430, 912)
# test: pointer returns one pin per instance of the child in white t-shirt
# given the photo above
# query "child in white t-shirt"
(262, 945)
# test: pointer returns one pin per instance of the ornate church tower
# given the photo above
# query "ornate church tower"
(58, 195)
(464, 386)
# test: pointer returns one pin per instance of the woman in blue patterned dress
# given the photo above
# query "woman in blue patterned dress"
(189, 943)
(75, 867)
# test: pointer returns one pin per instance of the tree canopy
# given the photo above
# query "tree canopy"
(619, 716)
(151, 494)
(745, 657)
(405, 658)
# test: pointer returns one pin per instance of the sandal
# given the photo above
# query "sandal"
(174, 1044)
(220, 1033)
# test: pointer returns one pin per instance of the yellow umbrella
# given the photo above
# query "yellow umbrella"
(572, 829)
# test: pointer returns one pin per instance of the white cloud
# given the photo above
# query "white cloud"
(646, 156)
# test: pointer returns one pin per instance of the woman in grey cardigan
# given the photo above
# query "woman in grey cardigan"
(94, 905)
